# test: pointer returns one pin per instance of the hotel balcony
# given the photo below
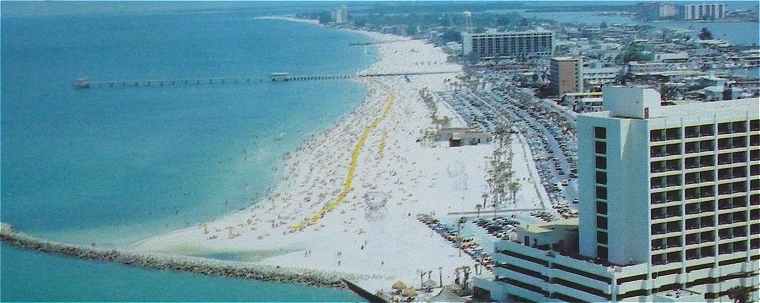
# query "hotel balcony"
(657, 135)
(725, 128)
(665, 150)
(732, 143)
(699, 147)
(706, 130)
(739, 127)
(754, 215)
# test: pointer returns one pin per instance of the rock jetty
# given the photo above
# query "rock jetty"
(210, 267)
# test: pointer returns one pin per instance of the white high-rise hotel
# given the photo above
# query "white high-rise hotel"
(669, 208)
(508, 44)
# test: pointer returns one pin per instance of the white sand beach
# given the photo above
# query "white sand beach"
(373, 230)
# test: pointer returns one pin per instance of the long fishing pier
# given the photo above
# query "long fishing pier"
(274, 77)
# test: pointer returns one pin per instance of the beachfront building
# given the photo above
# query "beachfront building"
(702, 11)
(566, 75)
(491, 45)
(669, 209)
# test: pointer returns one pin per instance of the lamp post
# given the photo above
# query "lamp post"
(440, 276)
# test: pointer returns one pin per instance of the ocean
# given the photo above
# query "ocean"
(111, 166)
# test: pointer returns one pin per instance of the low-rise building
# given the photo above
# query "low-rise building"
(651, 68)
(595, 78)
(459, 136)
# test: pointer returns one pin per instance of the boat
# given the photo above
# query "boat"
(280, 76)
(81, 83)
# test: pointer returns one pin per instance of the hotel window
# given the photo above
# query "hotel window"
(601, 208)
(724, 128)
(692, 131)
(600, 133)
(673, 133)
(601, 222)
(601, 162)
(601, 177)
(656, 135)
(739, 127)
(707, 130)
(601, 192)
(601, 148)
(601, 252)
(601, 237)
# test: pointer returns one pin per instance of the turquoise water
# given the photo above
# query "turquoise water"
(97, 281)
(118, 164)
(113, 166)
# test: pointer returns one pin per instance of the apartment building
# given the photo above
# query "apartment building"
(702, 11)
(596, 77)
(669, 209)
(566, 75)
(507, 44)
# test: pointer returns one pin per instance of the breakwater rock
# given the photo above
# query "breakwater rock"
(230, 269)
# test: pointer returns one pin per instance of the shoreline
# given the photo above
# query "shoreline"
(346, 238)
(311, 175)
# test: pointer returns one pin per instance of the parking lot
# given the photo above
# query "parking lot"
(550, 136)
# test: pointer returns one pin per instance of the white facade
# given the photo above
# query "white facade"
(596, 77)
(669, 207)
(653, 68)
(666, 10)
(508, 44)
(702, 11)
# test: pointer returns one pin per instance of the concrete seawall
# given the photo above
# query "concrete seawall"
(210, 267)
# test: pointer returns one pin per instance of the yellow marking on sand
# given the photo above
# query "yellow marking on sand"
(381, 148)
(313, 219)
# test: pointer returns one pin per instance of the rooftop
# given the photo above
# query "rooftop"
(496, 33)
(565, 224)
(630, 102)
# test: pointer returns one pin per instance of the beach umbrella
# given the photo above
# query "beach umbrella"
(398, 285)
(409, 292)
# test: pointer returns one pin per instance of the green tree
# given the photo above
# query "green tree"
(705, 34)
(739, 294)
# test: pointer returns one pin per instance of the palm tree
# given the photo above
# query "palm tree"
(513, 188)
(740, 294)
